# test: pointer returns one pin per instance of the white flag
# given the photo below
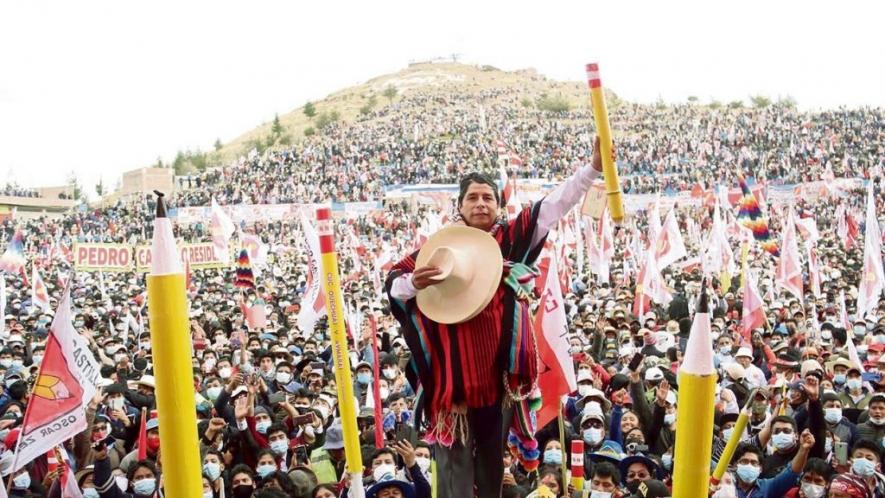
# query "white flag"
(313, 305)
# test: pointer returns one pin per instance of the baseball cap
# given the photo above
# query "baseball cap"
(651, 489)
(334, 437)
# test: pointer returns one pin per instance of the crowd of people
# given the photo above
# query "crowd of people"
(268, 419)
(13, 190)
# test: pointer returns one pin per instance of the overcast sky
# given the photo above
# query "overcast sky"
(101, 87)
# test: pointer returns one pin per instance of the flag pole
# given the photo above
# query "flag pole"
(171, 345)
(331, 282)
(563, 464)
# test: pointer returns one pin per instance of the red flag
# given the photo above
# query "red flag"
(39, 292)
(142, 435)
(813, 269)
(557, 372)
(63, 389)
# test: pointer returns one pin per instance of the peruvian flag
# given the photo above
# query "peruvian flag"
(313, 305)
(788, 274)
(872, 280)
(752, 314)
(669, 247)
(39, 293)
(557, 372)
(56, 408)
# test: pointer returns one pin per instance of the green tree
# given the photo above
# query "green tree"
(390, 92)
(218, 145)
(736, 104)
(159, 163)
(527, 102)
(99, 187)
(286, 140)
(369, 105)
(715, 104)
(310, 110)
(309, 131)
(760, 101)
(692, 99)
(74, 184)
(787, 101)
(554, 104)
(325, 119)
(277, 128)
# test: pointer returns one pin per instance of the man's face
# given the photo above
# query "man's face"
(267, 364)
(384, 458)
(604, 484)
(479, 208)
(877, 409)
(637, 471)
(865, 453)
(242, 480)
(390, 492)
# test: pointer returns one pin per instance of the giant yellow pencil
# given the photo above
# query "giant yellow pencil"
(335, 311)
(171, 346)
(732, 443)
(603, 130)
(694, 415)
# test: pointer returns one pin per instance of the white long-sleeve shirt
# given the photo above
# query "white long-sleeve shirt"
(553, 207)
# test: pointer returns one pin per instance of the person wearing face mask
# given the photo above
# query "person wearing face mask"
(362, 381)
(748, 459)
(23, 486)
(283, 379)
(784, 442)
(855, 394)
(143, 478)
(874, 428)
(603, 482)
(152, 428)
(213, 470)
(836, 422)
(242, 481)
(813, 482)
(592, 427)
(123, 417)
(866, 463)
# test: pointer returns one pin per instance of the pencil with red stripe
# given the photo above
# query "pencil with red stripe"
(603, 130)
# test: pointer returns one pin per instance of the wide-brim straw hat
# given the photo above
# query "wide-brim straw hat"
(471, 266)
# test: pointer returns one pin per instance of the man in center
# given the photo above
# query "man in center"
(474, 375)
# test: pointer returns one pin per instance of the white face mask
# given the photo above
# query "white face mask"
(224, 372)
(423, 464)
(813, 490)
(384, 393)
(600, 494)
(584, 390)
(384, 472)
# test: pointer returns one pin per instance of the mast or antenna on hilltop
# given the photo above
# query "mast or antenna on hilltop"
(455, 57)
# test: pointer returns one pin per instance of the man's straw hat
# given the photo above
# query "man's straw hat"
(471, 265)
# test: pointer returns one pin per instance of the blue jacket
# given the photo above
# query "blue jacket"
(776, 487)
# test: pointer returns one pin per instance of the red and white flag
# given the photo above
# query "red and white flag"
(557, 372)
(595, 254)
(788, 274)
(752, 314)
(65, 385)
(313, 304)
(846, 227)
(39, 292)
(669, 247)
(719, 258)
(221, 227)
(69, 487)
(872, 279)
(650, 286)
(813, 268)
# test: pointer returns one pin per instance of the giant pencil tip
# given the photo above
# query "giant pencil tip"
(161, 204)
(704, 299)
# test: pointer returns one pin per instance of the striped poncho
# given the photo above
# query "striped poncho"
(469, 363)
